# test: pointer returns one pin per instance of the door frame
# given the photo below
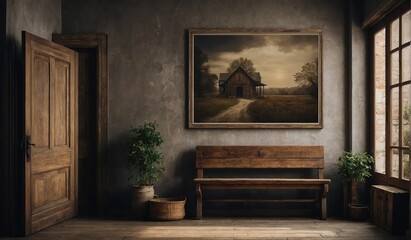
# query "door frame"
(99, 43)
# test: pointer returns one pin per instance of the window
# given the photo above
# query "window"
(391, 74)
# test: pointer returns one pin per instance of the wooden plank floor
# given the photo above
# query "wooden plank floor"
(214, 228)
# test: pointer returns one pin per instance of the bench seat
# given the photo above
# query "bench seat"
(263, 181)
(261, 157)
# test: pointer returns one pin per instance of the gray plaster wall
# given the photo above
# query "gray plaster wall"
(358, 81)
(42, 18)
(147, 53)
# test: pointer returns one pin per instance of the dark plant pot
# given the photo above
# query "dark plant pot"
(358, 212)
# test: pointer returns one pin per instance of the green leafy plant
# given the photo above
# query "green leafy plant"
(407, 112)
(146, 163)
(355, 166)
(406, 134)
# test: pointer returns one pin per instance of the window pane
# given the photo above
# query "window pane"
(395, 68)
(395, 160)
(406, 164)
(395, 121)
(379, 102)
(406, 64)
(406, 27)
(406, 115)
(395, 34)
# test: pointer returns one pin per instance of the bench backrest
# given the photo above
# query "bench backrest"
(291, 157)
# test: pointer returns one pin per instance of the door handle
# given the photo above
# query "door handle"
(28, 148)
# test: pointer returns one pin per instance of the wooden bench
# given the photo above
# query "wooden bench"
(261, 157)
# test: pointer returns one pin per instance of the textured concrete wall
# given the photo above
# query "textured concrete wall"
(42, 18)
(359, 95)
(148, 78)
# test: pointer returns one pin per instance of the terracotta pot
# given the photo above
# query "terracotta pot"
(358, 212)
(139, 204)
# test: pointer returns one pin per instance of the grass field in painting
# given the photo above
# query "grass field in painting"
(284, 109)
(270, 109)
(210, 106)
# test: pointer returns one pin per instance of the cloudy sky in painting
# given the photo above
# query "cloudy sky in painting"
(276, 56)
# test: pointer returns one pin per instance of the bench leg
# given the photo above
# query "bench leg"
(199, 214)
(324, 203)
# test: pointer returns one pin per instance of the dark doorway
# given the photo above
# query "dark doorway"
(92, 155)
(240, 92)
(87, 138)
(4, 128)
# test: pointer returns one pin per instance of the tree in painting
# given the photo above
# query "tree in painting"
(205, 80)
(308, 78)
(245, 63)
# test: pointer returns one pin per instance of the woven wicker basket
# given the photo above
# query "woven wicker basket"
(166, 209)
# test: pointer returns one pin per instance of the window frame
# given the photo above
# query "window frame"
(387, 178)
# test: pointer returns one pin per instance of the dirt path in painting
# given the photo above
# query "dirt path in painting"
(236, 113)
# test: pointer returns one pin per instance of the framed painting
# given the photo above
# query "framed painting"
(255, 79)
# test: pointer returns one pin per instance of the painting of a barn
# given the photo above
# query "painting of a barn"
(241, 84)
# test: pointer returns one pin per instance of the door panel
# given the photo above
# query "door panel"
(40, 101)
(51, 126)
(62, 105)
(50, 188)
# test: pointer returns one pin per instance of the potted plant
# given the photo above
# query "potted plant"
(145, 163)
(355, 168)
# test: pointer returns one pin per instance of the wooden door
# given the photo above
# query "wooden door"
(51, 133)
(240, 92)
